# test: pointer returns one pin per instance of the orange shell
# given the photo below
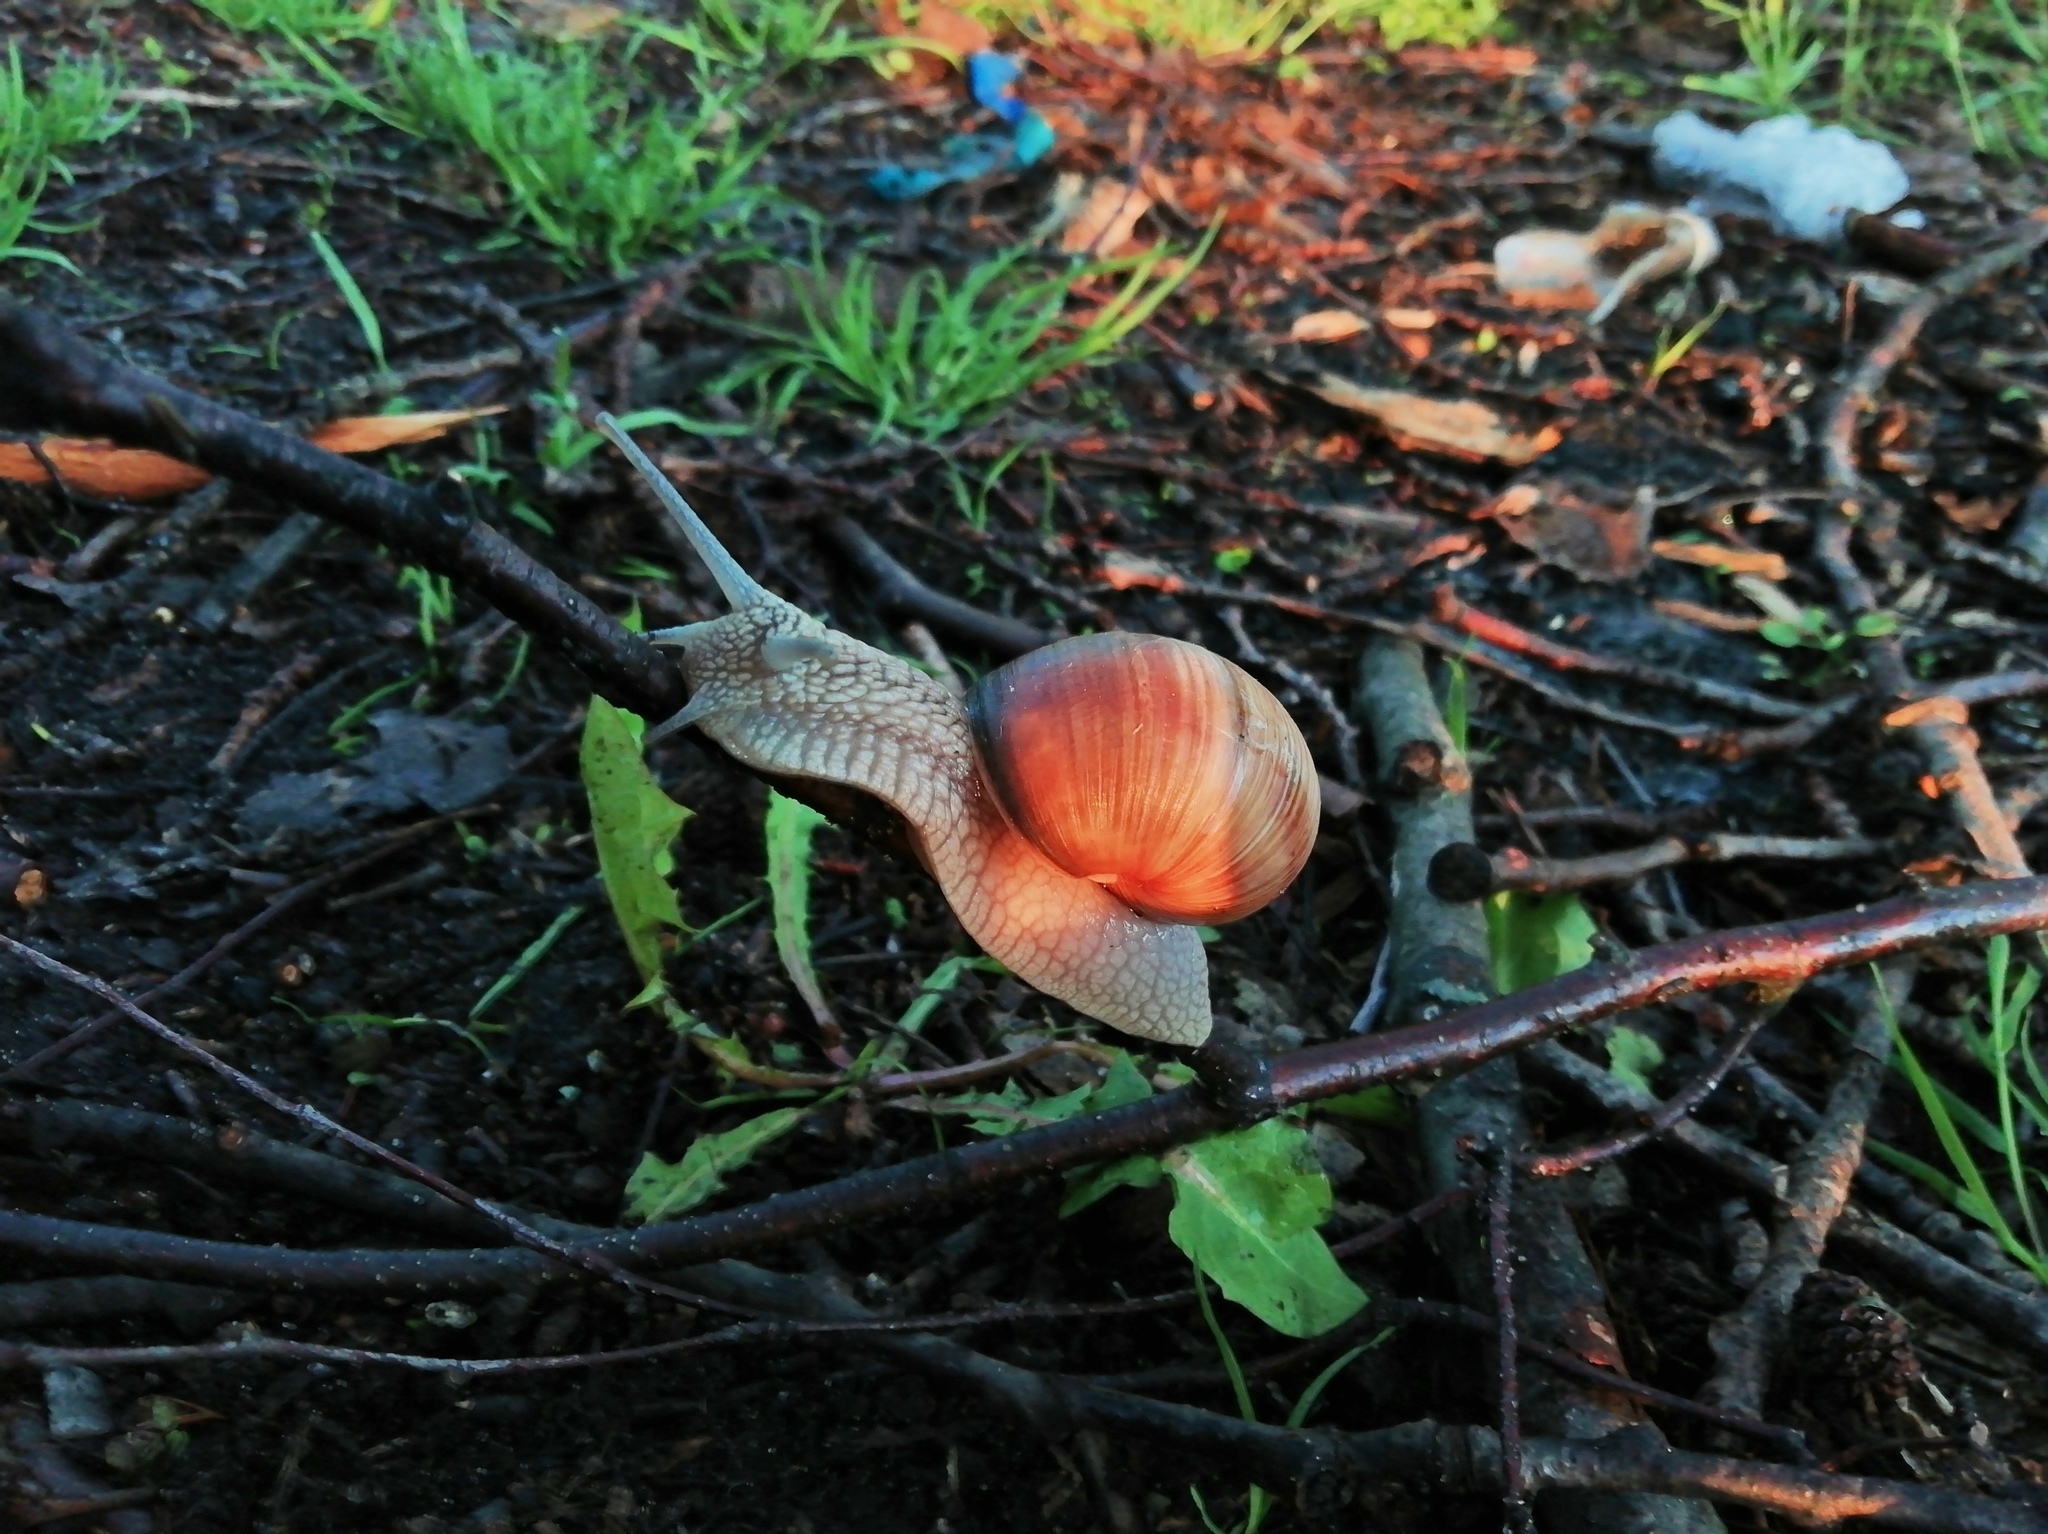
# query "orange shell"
(1152, 767)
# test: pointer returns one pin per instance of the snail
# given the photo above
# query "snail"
(1089, 805)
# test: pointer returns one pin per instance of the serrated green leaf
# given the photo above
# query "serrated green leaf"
(661, 1190)
(1013, 1108)
(1632, 1056)
(1245, 1209)
(1533, 939)
(634, 825)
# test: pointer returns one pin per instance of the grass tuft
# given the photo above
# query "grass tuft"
(586, 168)
(76, 105)
(306, 18)
(1877, 64)
(943, 354)
(1256, 28)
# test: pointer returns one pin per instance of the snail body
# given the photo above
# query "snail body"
(1091, 801)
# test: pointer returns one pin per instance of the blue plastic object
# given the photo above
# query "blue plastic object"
(991, 78)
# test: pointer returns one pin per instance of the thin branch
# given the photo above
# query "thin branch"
(1500, 1262)
(1448, 610)
(1779, 956)
(1748, 1339)
(1678, 1106)
(51, 379)
(1465, 872)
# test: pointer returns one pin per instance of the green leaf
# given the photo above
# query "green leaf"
(1632, 1056)
(1233, 560)
(791, 824)
(1131, 1172)
(1374, 1105)
(1245, 1208)
(1536, 938)
(634, 825)
(1013, 1108)
(1875, 625)
(1786, 636)
(661, 1190)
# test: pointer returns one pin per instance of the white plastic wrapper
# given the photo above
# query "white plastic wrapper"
(1805, 180)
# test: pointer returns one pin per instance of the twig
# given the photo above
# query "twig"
(1667, 1114)
(1439, 953)
(264, 702)
(51, 379)
(313, 1119)
(2012, 566)
(1447, 609)
(1780, 955)
(86, 1032)
(895, 590)
(1464, 872)
(1748, 1339)
(1500, 1261)
(1947, 745)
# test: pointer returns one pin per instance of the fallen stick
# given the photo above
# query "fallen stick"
(1778, 956)
(1747, 1341)
(1524, 1258)
(1448, 610)
(49, 378)
(1944, 739)
(1463, 871)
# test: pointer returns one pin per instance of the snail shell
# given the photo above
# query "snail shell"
(1153, 768)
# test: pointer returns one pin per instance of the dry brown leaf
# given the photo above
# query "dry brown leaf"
(106, 472)
(1409, 319)
(936, 23)
(566, 21)
(1325, 325)
(1576, 523)
(1106, 221)
(1719, 556)
(1459, 428)
(1121, 572)
(101, 470)
(1707, 617)
(1942, 707)
(373, 433)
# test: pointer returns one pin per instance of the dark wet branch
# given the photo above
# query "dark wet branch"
(895, 590)
(50, 380)
(1777, 955)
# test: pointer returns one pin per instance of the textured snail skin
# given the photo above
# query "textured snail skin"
(784, 694)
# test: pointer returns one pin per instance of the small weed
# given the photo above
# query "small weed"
(1777, 35)
(587, 170)
(434, 597)
(76, 105)
(761, 37)
(1670, 353)
(351, 292)
(1879, 63)
(1255, 28)
(947, 353)
(2003, 1044)
(305, 18)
